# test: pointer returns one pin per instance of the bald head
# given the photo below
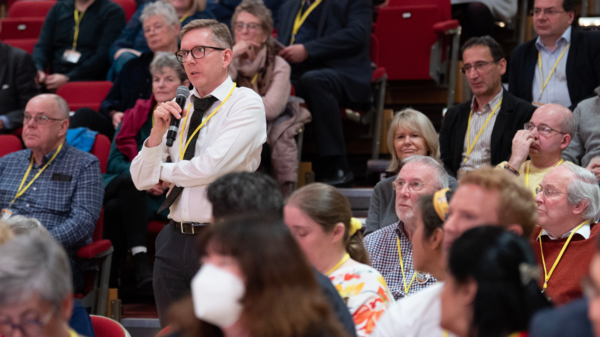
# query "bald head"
(54, 105)
(557, 116)
(44, 135)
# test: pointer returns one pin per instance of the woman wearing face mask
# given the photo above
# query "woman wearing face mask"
(491, 289)
(254, 282)
(320, 220)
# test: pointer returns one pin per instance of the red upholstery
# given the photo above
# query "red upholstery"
(106, 327)
(164, 332)
(9, 144)
(444, 5)
(94, 248)
(101, 149)
(21, 28)
(30, 9)
(374, 53)
(25, 44)
(156, 226)
(84, 94)
(442, 27)
(129, 6)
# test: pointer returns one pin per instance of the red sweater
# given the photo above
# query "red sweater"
(565, 283)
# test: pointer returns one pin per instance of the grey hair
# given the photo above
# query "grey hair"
(34, 265)
(165, 59)
(440, 172)
(160, 8)
(22, 225)
(584, 187)
(568, 124)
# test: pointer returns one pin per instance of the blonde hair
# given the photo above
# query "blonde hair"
(416, 121)
(6, 234)
(220, 33)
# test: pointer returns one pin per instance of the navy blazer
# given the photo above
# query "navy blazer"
(583, 67)
(568, 320)
(342, 43)
(514, 112)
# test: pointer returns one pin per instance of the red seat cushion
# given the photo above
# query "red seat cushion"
(156, 226)
(378, 73)
(94, 248)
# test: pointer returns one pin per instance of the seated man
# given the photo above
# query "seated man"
(548, 133)
(18, 86)
(419, 176)
(134, 82)
(51, 181)
(479, 133)
(484, 197)
(328, 48)
(568, 210)
(74, 41)
(562, 65)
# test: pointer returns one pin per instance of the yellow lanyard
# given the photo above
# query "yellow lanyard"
(542, 83)
(73, 333)
(185, 16)
(22, 190)
(300, 18)
(527, 172)
(469, 145)
(77, 22)
(254, 78)
(406, 289)
(546, 274)
(339, 264)
(187, 143)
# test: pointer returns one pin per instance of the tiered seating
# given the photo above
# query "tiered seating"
(30, 9)
(129, 6)
(25, 44)
(9, 144)
(84, 94)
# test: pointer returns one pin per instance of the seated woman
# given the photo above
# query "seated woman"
(256, 65)
(320, 220)
(127, 210)
(410, 133)
(254, 281)
(132, 42)
(492, 284)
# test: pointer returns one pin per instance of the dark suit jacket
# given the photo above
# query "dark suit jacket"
(17, 83)
(514, 112)
(342, 43)
(568, 320)
(583, 67)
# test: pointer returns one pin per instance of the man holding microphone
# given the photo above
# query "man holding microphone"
(221, 130)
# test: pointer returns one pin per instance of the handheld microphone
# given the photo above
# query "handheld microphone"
(182, 94)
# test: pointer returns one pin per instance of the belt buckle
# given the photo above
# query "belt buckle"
(183, 231)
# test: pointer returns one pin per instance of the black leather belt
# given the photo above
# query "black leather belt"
(190, 228)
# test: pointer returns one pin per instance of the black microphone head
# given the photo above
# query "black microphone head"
(183, 91)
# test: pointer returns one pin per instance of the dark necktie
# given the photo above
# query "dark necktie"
(200, 107)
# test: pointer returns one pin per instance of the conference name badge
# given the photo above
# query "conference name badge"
(71, 56)
(6, 214)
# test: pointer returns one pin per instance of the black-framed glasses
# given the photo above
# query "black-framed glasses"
(39, 119)
(543, 129)
(479, 65)
(198, 52)
(547, 11)
(251, 26)
(28, 327)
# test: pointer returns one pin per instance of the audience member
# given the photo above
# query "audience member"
(491, 288)
(132, 41)
(554, 125)
(328, 48)
(67, 197)
(224, 9)
(562, 65)
(483, 136)
(232, 141)
(568, 209)
(18, 86)
(22, 225)
(410, 133)
(256, 66)
(127, 211)
(135, 81)
(390, 248)
(254, 281)
(478, 17)
(74, 41)
(320, 219)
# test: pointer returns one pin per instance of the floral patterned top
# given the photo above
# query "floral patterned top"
(366, 294)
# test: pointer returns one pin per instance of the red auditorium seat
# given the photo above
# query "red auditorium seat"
(9, 144)
(104, 327)
(129, 6)
(21, 28)
(101, 149)
(25, 44)
(84, 94)
(30, 9)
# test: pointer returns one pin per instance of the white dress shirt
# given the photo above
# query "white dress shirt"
(557, 90)
(231, 141)
(584, 231)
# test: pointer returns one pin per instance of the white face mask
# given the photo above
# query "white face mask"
(217, 294)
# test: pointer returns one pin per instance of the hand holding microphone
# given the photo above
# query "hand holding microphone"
(164, 121)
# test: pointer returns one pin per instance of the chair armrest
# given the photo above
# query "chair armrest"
(93, 249)
(444, 26)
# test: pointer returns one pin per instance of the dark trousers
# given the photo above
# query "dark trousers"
(93, 120)
(475, 19)
(175, 265)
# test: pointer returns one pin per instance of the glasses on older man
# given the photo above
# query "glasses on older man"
(413, 186)
(543, 129)
(251, 26)
(197, 52)
(39, 119)
(31, 327)
(547, 192)
(547, 11)
(478, 66)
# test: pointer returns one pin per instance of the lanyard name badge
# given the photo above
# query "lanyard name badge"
(72, 55)
(300, 18)
(543, 83)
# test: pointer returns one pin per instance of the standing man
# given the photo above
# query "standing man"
(479, 133)
(221, 130)
(328, 47)
(562, 65)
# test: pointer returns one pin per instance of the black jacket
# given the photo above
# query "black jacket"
(100, 26)
(568, 320)
(342, 43)
(514, 112)
(583, 67)
(17, 83)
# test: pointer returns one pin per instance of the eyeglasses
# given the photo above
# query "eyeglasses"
(198, 52)
(547, 11)
(28, 328)
(478, 66)
(547, 192)
(251, 26)
(543, 129)
(413, 186)
(39, 120)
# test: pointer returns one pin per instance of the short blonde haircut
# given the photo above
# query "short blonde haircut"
(220, 33)
(6, 234)
(416, 121)
(258, 9)
(516, 204)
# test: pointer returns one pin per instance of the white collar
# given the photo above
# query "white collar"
(584, 231)
(220, 92)
(566, 36)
